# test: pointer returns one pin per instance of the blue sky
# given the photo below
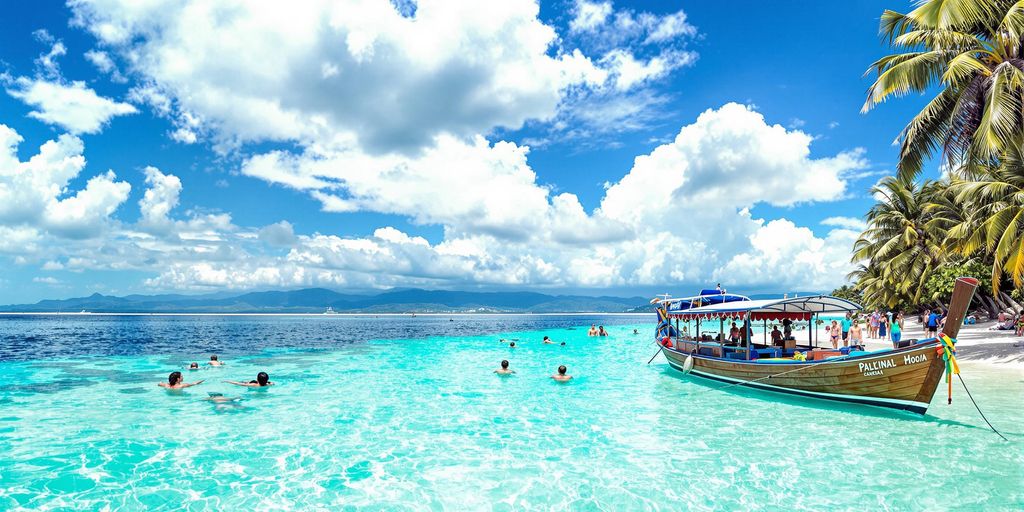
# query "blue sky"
(442, 145)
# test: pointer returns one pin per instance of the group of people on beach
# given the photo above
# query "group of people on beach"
(177, 381)
(881, 326)
(1008, 320)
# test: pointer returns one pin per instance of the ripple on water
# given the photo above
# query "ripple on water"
(424, 424)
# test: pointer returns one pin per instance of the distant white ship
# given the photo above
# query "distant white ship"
(330, 311)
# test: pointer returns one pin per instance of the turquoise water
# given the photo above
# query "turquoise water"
(424, 424)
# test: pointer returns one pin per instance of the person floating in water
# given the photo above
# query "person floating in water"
(262, 381)
(214, 361)
(512, 344)
(504, 370)
(592, 331)
(561, 376)
(547, 340)
(175, 381)
(193, 366)
(636, 331)
(601, 331)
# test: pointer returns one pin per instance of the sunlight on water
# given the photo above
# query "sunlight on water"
(421, 423)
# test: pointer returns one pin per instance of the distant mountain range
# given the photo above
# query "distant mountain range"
(317, 300)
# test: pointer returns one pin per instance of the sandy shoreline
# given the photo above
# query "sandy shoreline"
(975, 343)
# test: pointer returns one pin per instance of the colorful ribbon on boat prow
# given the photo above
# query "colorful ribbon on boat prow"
(947, 349)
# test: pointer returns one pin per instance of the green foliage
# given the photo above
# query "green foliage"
(939, 285)
(849, 293)
(972, 53)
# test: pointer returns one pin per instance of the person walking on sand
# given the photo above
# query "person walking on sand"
(845, 325)
(855, 335)
(882, 327)
(873, 325)
(834, 334)
(895, 329)
(931, 323)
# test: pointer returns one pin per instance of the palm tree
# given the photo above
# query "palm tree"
(972, 51)
(900, 247)
(996, 199)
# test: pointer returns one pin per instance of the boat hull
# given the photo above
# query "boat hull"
(903, 379)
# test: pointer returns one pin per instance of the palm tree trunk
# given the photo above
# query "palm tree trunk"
(993, 310)
(1009, 300)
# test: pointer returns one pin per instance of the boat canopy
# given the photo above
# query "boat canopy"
(795, 308)
(706, 297)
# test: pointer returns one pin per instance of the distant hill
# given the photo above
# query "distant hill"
(316, 300)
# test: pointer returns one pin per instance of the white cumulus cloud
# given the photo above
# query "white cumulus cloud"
(72, 106)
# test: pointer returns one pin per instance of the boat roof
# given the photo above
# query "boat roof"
(809, 304)
(705, 298)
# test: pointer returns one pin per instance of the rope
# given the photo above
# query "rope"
(979, 408)
(660, 348)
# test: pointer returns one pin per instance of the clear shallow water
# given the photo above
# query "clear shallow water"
(413, 422)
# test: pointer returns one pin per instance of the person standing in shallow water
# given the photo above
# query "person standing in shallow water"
(504, 370)
(215, 361)
(601, 331)
(561, 376)
(593, 330)
(176, 381)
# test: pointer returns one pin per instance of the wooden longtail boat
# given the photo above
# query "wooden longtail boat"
(900, 378)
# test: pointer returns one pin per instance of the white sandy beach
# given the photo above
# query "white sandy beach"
(975, 343)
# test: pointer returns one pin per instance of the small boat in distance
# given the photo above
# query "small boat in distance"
(330, 311)
(905, 377)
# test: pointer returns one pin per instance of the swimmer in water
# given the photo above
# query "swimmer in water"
(223, 403)
(214, 361)
(547, 340)
(193, 366)
(175, 381)
(504, 368)
(262, 381)
(563, 343)
(592, 331)
(512, 344)
(636, 331)
(561, 376)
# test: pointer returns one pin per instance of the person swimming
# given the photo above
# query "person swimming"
(214, 361)
(175, 381)
(193, 366)
(593, 330)
(547, 340)
(262, 381)
(504, 370)
(601, 331)
(636, 331)
(561, 376)
(512, 344)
